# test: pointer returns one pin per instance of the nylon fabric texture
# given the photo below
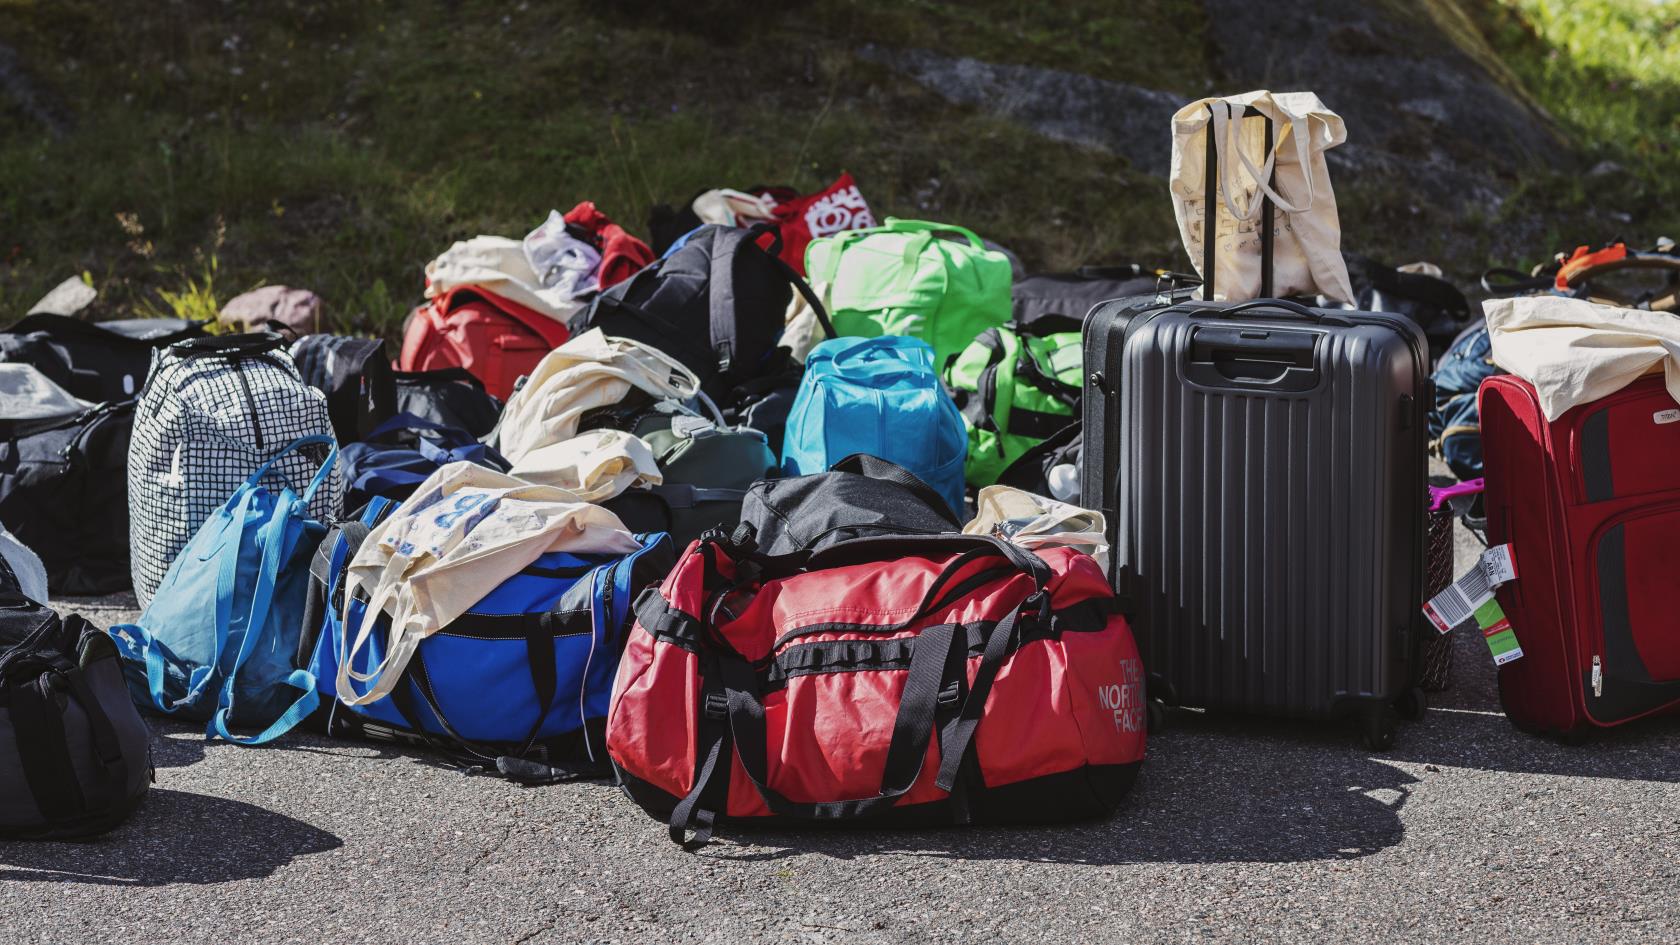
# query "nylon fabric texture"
(903, 279)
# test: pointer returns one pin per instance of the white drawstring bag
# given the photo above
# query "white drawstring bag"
(595, 466)
(734, 208)
(560, 261)
(1575, 352)
(589, 371)
(1033, 522)
(466, 529)
(499, 266)
(1307, 234)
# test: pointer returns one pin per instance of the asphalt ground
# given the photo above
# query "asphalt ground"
(1239, 830)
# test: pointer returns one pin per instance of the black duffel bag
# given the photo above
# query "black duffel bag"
(96, 361)
(64, 494)
(861, 496)
(75, 757)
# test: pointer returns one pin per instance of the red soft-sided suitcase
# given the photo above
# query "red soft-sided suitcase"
(497, 340)
(1590, 503)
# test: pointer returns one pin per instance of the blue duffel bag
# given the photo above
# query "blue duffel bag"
(520, 683)
(398, 455)
(881, 396)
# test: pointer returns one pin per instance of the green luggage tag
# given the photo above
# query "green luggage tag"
(1496, 629)
(1471, 596)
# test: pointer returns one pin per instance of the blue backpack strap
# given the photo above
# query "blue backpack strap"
(278, 534)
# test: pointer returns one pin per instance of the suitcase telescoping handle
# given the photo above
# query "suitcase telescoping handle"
(1210, 213)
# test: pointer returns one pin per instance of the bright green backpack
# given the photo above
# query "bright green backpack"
(901, 279)
(1016, 385)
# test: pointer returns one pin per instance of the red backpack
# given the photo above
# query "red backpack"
(913, 680)
(495, 339)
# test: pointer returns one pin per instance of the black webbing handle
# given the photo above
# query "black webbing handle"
(1211, 213)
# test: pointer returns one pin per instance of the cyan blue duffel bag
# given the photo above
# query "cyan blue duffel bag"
(521, 682)
(881, 396)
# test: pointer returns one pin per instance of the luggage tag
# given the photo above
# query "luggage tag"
(1471, 596)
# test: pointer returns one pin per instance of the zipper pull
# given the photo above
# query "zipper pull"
(1597, 678)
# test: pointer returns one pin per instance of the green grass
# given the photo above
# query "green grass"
(1608, 69)
(340, 147)
(215, 147)
(1609, 72)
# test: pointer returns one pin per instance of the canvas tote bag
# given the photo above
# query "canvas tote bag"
(595, 466)
(1307, 255)
(467, 528)
(591, 370)
(1035, 522)
(1575, 352)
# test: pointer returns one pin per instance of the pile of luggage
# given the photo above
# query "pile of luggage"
(797, 515)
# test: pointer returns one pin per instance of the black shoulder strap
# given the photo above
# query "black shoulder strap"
(774, 251)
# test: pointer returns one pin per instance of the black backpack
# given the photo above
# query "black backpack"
(64, 494)
(96, 361)
(717, 304)
(356, 376)
(764, 402)
(860, 496)
(75, 757)
(451, 396)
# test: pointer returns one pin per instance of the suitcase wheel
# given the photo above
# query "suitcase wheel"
(1156, 716)
(1412, 704)
(1377, 726)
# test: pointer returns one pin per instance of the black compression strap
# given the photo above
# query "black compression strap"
(44, 752)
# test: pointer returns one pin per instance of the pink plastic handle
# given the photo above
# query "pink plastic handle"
(1441, 495)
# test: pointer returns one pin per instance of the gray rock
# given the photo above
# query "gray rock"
(1429, 108)
(1127, 120)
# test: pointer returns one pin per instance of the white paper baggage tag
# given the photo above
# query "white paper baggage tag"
(1460, 602)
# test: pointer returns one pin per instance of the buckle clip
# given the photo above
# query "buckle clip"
(716, 706)
(951, 694)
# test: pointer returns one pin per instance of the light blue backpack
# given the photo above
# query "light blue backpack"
(880, 396)
(219, 641)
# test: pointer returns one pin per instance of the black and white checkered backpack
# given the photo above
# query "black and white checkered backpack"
(212, 411)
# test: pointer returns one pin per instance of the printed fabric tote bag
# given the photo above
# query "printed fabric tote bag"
(1307, 254)
(219, 641)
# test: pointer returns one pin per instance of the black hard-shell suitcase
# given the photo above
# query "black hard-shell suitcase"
(1261, 465)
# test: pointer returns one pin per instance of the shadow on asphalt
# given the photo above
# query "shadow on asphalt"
(1220, 788)
(156, 848)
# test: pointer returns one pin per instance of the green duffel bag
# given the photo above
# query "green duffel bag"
(902, 279)
(1016, 385)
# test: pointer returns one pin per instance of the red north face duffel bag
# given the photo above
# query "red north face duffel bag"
(910, 680)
